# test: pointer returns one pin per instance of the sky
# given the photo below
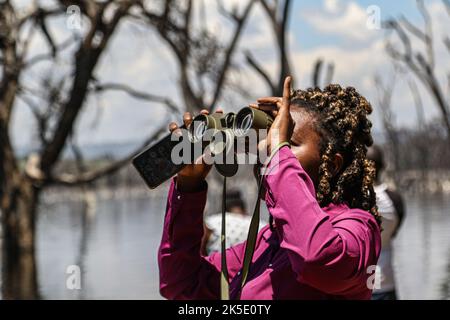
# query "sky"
(334, 30)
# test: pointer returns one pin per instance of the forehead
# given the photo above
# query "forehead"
(305, 122)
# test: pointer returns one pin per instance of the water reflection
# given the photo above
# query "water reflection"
(116, 249)
(446, 283)
(422, 248)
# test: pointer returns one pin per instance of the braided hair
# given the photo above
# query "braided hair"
(342, 123)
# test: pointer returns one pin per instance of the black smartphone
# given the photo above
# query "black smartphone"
(154, 164)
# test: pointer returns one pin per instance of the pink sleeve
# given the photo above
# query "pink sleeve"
(330, 256)
(184, 273)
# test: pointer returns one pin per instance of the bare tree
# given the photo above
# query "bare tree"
(422, 140)
(19, 189)
(384, 93)
(278, 14)
(421, 63)
(200, 55)
(316, 76)
(62, 100)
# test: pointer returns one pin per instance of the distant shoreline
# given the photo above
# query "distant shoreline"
(437, 182)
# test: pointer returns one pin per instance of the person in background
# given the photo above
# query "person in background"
(391, 208)
(237, 224)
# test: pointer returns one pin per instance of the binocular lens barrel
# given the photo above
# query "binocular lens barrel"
(243, 122)
(249, 118)
(215, 121)
(198, 128)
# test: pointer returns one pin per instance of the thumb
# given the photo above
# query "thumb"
(286, 102)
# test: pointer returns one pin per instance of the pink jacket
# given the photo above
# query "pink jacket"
(314, 252)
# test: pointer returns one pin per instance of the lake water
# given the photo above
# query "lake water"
(117, 248)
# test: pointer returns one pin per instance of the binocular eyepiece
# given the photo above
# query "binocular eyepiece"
(238, 124)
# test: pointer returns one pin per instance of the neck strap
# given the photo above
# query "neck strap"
(252, 233)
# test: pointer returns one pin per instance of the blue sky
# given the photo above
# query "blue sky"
(334, 30)
(309, 37)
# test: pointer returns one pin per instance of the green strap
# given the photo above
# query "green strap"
(251, 237)
(224, 287)
(254, 224)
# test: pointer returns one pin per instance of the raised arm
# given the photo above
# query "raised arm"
(330, 256)
(184, 273)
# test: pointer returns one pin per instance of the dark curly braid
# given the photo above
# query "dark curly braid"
(343, 125)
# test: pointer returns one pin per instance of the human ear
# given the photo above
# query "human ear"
(338, 162)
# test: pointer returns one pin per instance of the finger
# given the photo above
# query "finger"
(267, 103)
(270, 109)
(269, 99)
(173, 126)
(204, 111)
(219, 110)
(275, 106)
(175, 130)
(286, 94)
(187, 119)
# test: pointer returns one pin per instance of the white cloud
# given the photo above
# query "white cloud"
(332, 6)
(349, 22)
(360, 55)
(145, 63)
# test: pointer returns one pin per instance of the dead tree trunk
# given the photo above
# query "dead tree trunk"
(18, 206)
(18, 191)
(18, 196)
(18, 201)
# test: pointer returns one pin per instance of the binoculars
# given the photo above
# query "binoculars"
(155, 164)
(246, 119)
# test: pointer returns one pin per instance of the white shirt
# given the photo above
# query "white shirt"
(389, 222)
(236, 230)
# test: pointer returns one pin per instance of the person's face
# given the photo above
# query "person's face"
(237, 209)
(305, 143)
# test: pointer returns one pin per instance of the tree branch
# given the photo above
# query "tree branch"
(255, 65)
(284, 61)
(413, 29)
(90, 176)
(11, 63)
(447, 6)
(279, 27)
(240, 21)
(428, 32)
(330, 73)
(384, 93)
(175, 36)
(316, 73)
(422, 67)
(97, 87)
(46, 56)
(41, 119)
(86, 60)
(418, 104)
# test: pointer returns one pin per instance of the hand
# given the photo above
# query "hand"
(279, 107)
(191, 177)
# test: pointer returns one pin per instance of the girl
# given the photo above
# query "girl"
(324, 240)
